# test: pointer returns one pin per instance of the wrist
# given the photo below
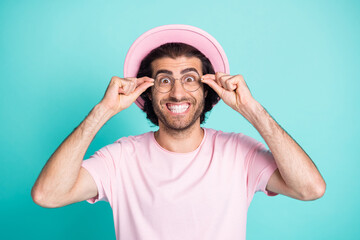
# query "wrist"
(98, 116)
(252, 111)
(260, 118)
(104, 111)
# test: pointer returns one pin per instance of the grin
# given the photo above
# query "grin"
(178, 108)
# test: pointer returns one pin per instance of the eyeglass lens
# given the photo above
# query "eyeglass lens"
(190, 81)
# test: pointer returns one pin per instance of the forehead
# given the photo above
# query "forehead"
(177, 64)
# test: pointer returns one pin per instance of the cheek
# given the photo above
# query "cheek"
(156, 100)
(202, 96)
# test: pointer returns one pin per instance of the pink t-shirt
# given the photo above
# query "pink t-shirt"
(156, 194)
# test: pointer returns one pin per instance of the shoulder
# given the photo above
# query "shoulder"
(232, 138)
(226, 136)
(134, 139)
(129, 143)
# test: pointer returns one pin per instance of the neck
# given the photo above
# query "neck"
(180, 141)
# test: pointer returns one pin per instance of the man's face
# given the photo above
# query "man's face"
(178, 109)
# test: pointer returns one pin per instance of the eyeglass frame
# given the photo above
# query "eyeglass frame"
(181, 81)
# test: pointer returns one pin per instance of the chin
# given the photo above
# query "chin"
(178, 121)
(179, 126)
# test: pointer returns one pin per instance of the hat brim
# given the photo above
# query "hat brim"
(190, 35)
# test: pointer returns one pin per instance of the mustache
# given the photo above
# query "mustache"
(176, 100)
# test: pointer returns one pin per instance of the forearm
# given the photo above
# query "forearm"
(295, 166)
(62, 169)
(299, 177)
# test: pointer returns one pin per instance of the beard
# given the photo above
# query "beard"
(178, 123)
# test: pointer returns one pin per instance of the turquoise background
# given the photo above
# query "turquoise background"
(300, 59)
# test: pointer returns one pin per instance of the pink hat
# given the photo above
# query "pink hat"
(190, 35)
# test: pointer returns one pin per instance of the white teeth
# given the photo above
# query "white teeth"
(178, 108)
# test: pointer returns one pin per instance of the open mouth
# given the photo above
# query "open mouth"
(178, 108)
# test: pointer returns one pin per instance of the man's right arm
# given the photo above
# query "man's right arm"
(63, 181)
(59, 175)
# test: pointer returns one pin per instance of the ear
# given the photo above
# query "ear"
(205, 89)
(149, 94)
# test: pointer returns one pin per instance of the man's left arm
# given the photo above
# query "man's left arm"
(297, 175)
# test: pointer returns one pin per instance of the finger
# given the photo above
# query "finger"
(242, 82)
(121, 91)
(124, 86)
(223, 79)
(140, 89)
(214, 85)
(129, 87)
(219, 76)
(145, 79)
(231, 84)
(209, 76)
(116, 83)
(139, 81)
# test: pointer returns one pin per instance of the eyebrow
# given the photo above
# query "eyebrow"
(186, 70)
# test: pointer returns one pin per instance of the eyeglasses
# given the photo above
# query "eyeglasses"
(190, 82)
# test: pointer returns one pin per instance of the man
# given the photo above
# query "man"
(182, 181)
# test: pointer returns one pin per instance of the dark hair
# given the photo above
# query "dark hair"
(174, 50)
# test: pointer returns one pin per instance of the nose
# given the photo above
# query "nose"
(177, 90)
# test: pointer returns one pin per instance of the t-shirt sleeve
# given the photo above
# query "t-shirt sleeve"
(260, 165)
(101, 167)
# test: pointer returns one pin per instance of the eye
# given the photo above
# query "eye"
(165, 80)
(189, 79)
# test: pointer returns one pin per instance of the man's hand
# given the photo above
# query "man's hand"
(297, 176)
(232, 90)
(122, 92)
(63, 180)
